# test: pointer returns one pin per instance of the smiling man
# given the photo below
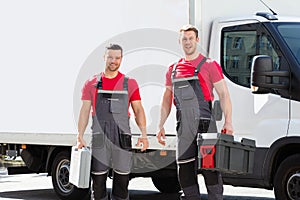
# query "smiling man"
(190, 82)
(109, 95)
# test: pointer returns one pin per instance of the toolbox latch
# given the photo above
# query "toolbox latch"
(208, 153)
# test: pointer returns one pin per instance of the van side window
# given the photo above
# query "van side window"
(239, 48)
(266, 48)
(240, 44)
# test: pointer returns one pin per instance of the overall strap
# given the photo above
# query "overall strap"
(125, 84)
(197, 70)
(174, 70)
(99, 84)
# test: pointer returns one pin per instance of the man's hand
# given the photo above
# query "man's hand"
(80, 142)
(144, 142)
(228, 128)
(161, 136)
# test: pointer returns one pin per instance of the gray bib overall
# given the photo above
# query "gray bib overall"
(194, 116)
(192, 110)
(111, 136)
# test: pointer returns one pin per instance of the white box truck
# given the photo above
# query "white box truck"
(49, 49)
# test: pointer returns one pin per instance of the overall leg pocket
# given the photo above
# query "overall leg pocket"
(203, 126)
(125, 141)
(98, 140)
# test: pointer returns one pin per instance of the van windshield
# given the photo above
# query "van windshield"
(291, 35)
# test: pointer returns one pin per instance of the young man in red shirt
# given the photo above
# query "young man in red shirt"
(109, 95)
(190, 82)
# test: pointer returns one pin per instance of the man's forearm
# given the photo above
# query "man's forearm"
(82, 124)
(83, 119)
(142, 126)
(164, 114)
(165, 108)
(140, 117)
(140, 120)
(226, 107)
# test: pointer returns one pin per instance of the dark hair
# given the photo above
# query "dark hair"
(114, 47)
(189, 27)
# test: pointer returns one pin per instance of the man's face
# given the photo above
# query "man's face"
(113, 59)
(189, 42)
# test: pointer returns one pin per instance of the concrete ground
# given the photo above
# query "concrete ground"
(39, 186)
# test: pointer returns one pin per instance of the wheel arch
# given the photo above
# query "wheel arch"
(53, 151)
(279, 150)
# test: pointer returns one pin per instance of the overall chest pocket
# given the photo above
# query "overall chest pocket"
(116, 106)
(187, 92)
(118, 103)
(184, 90)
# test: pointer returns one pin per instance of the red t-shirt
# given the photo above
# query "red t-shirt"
(210, 73)
(116, 83)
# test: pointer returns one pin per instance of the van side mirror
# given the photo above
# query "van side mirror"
(262, 75)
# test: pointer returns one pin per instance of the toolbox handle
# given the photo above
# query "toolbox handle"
(84, 148)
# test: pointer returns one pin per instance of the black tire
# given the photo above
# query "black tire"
(287, 179)
(60, 179)
(166, 185)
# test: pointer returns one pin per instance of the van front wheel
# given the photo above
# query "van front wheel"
(287, 179)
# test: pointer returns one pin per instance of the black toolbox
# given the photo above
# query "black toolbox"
(219, 152)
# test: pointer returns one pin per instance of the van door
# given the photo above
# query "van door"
(263, 117)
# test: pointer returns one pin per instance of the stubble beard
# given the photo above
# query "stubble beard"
(113, 68)
(189, 51)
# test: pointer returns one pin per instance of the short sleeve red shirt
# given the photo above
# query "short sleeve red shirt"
(116, 83)
(210, 73)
